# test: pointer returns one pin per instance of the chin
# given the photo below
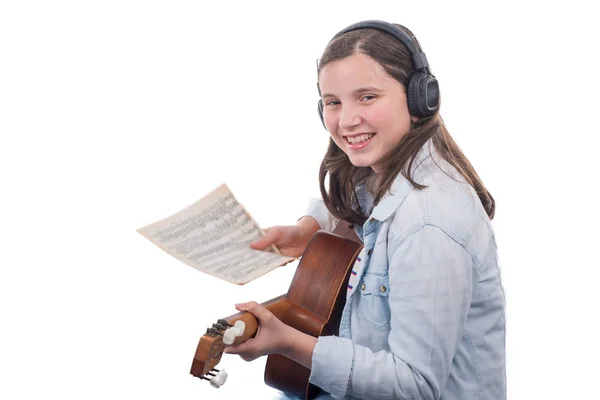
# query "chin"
(360, 163)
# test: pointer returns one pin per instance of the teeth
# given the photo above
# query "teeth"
(359, 138)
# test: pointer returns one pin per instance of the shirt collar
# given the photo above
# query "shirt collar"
(391, 200)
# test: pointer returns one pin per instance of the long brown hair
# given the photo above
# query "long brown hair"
(343, 176)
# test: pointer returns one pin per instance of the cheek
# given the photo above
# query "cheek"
(389, 121)
(331, 121)
(337, 140)
(377, 118)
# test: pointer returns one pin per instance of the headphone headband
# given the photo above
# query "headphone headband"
(419, 58)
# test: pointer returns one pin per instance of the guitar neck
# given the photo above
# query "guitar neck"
(278, 306)
(285, 310)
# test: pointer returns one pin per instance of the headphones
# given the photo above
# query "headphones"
(423, 93)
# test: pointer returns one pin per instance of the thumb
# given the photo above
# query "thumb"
(270, 237)
(239, 348)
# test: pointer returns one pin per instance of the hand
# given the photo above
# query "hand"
(290, 240)
(272, 337)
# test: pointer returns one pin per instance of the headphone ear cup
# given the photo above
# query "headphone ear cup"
(412, 94)
(320, 109)
(423, 95)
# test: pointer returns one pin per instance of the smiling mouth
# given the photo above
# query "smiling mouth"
(359, 138)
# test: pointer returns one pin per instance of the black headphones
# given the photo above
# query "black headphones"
(423, 94)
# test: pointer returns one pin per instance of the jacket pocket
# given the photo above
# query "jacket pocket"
(373, 301)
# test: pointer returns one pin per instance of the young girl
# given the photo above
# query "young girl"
(424, 316)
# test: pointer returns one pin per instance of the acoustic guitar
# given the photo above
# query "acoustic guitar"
(313, 305)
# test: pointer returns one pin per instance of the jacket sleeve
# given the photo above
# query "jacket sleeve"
(316, 208)
(431, 279)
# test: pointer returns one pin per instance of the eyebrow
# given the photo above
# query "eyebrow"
(357, 91)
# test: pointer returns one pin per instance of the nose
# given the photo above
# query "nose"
(349, 117)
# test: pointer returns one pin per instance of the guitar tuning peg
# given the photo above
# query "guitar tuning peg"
(219, 379)
(236, 330)
(213, 332)
(229, 336)
(216, 380)
(240, 326)
(220, 327)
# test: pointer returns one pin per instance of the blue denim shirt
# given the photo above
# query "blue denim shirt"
(424, 318)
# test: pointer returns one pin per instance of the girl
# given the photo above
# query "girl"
(424, 316)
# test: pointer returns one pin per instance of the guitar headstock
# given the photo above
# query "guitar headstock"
(210, 350)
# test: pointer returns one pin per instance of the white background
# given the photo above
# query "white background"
(114, 114)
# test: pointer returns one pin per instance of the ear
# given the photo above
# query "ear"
(414, 119)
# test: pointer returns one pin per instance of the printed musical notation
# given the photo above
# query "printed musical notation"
(213, 235)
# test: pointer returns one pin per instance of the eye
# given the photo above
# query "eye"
(332, 103)
(367, 97)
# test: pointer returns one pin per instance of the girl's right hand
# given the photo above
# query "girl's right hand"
(290, 240)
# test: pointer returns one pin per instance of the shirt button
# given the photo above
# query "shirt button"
(372, 220)
(370, 252)
(382, 289)
(363, 287)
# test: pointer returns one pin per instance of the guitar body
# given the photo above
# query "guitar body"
(319, 286)
(313, 305)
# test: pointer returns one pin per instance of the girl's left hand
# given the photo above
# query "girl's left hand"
(272, 337)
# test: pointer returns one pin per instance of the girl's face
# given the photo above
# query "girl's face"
(364, 109)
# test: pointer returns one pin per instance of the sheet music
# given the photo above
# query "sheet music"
(213, 235)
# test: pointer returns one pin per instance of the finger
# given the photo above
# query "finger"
(244, 347)
(262, 314)
(270, 237)
(246, 350)
(244, 354)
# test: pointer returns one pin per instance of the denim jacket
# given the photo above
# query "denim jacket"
(424, 316)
